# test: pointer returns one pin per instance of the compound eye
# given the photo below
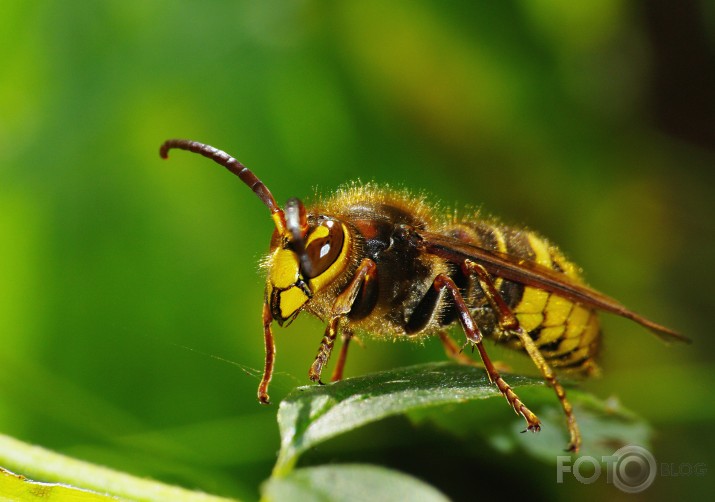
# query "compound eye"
(323, 246)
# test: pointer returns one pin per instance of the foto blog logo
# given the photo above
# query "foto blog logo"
(631, 469)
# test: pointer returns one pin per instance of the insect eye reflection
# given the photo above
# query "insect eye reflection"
(324, 246)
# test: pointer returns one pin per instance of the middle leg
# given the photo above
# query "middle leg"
(456, 352)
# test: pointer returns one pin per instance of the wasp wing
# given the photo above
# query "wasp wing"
(535, 275)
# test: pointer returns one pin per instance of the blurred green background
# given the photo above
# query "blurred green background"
(130, 296)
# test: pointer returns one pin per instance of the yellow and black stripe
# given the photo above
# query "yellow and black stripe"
(566, 333)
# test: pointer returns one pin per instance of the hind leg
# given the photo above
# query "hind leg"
(427, 308)
(510, 324)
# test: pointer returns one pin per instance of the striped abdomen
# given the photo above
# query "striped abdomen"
(566, 333)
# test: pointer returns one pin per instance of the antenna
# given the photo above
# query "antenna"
(245, 174)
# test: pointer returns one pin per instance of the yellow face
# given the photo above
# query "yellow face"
(289, 286)
(287, 290)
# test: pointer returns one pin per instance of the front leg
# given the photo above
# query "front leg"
(365, 278)
(325, 349)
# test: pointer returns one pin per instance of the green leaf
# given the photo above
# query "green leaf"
(356, 483)
(313, 414)
(16, 487)
(44, 464)
(605, 425)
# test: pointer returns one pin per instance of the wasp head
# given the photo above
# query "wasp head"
(307, 254)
